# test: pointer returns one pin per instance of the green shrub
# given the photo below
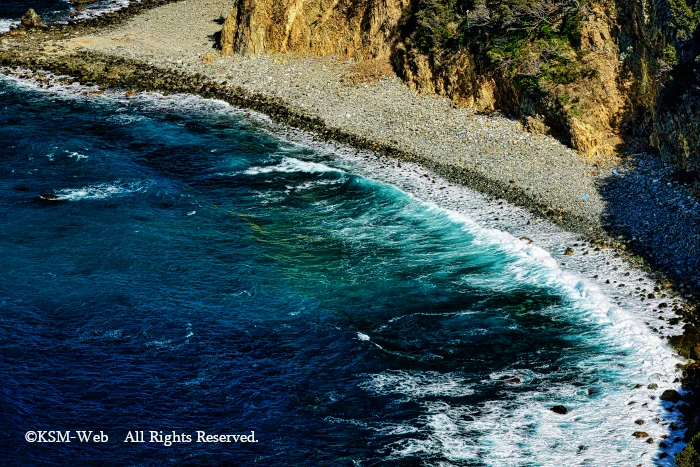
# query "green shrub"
(541, 37)
(689, 456)
(683, 18)
(670, 55)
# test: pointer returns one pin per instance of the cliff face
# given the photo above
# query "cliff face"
(660, 56)
(359, 29)
(572, 90)
(587, 72)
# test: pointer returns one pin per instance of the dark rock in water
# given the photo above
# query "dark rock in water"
(592, 392)
(640, 434)
(528, 240)
(671, 395)
(639, 422)
(49, 199)
(650, 441)
(513, 379)
(663, 455)
(20, 188)
(569, 252)
(560, 409)
(31, 19)
(653, 386)
(687, 343)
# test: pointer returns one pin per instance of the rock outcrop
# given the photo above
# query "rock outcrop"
(359, 29)
(31, 19)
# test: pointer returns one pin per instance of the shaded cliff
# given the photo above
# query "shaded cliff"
(586, 72)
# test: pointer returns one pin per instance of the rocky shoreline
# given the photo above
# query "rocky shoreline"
(637, 205)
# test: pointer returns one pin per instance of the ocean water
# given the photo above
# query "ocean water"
(209, 271)
(53, 11)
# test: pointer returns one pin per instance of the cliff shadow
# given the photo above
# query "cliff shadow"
(653, 207)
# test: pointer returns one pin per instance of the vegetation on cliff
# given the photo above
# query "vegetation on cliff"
(537, 42)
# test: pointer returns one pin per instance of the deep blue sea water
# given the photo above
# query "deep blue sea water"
(52, 11)
(204, 273)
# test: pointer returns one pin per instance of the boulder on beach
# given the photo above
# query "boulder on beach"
(31, 19)
(208, 58)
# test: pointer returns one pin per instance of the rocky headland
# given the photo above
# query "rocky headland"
(592, 133)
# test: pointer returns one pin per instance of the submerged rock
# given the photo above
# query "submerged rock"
(512, 379)
(49, 199)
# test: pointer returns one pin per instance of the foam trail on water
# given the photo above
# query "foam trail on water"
(291, 165)
(418, 384)
(101, 190)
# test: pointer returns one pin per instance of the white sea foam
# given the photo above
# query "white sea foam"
(76, 155)
(92, 11)
(5, 24)
(418, 384)
(598, 430)
(101, 190)
(290, 165)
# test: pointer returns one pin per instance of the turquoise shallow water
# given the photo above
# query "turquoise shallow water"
(203, 273)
